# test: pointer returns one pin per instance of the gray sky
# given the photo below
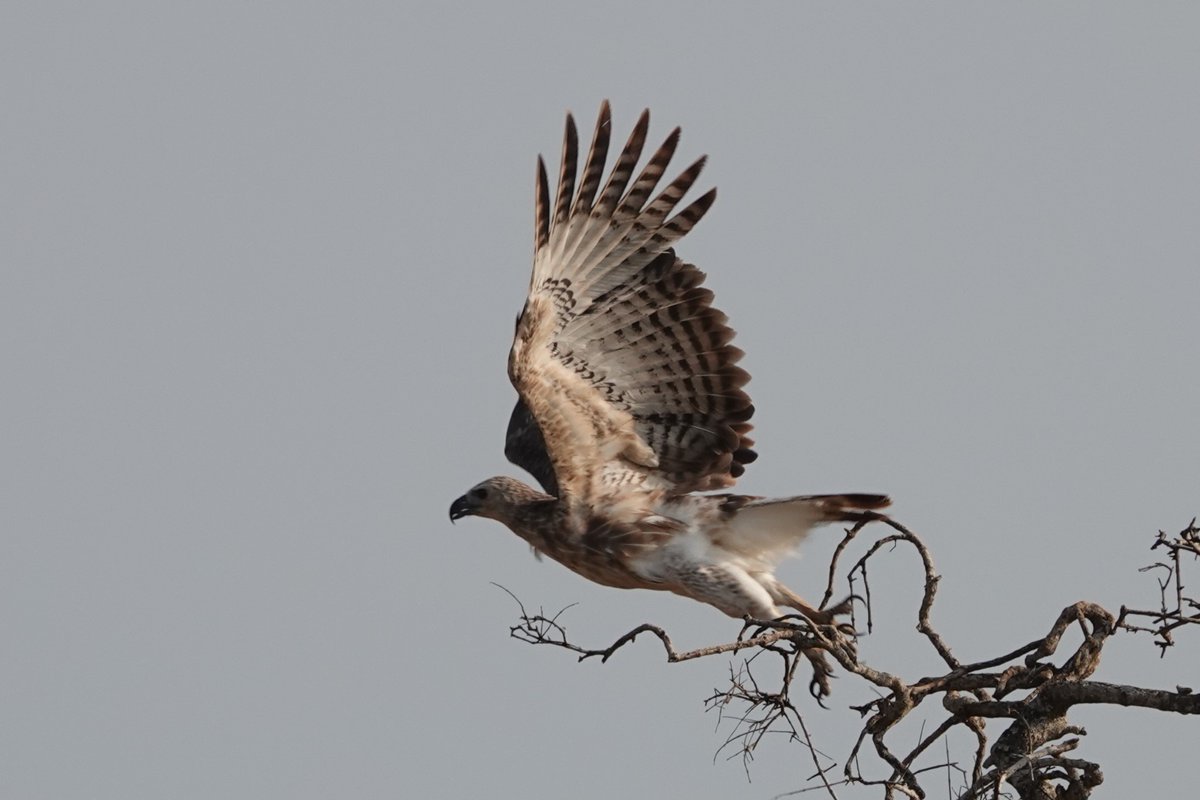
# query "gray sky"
(260, 267)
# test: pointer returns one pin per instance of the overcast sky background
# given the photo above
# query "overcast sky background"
(260, 264)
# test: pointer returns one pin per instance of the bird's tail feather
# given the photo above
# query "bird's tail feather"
(848, 507)
(772, 528)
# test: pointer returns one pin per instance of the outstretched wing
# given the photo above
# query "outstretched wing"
(624, 367)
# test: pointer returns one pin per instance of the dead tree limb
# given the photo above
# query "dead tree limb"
(1028, 691)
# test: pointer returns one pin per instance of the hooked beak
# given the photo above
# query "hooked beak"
(462, 507)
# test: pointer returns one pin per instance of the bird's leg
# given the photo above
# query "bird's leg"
(817, 616)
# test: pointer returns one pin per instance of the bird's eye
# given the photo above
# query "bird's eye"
(479, 494)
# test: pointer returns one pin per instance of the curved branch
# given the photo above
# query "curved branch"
(1030, 689)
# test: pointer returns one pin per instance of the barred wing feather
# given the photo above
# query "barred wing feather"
(626, 372)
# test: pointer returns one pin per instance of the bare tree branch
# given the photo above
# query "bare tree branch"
(1029, 690)
(1186, 610)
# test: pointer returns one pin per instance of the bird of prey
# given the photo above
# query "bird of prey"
(631, 403)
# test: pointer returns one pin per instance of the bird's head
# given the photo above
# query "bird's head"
(494, 498)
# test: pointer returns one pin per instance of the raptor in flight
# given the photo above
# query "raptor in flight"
(631, 402)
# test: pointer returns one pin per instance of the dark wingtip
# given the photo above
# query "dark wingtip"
(541, 210)
(643, 121)
(745, 456)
